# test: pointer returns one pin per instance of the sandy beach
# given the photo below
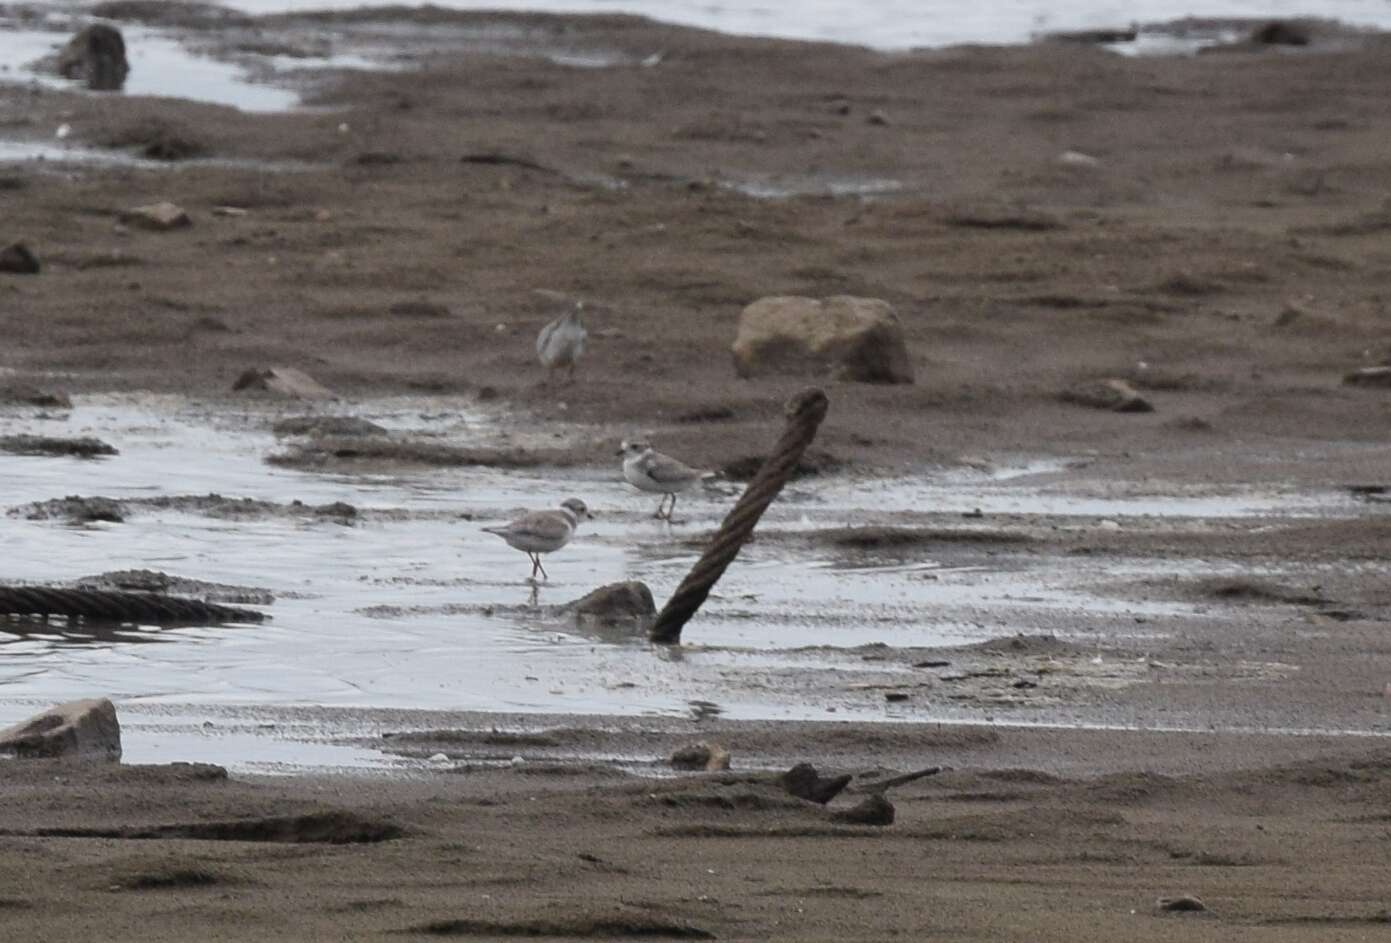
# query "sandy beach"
(1210, 229)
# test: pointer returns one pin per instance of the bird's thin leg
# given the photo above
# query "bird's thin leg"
(572, 372)
(672, 509)
(535, 562)
(660, 515)
(544, 574)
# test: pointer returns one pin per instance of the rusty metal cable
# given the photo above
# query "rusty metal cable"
(804, 414)
(106, 606)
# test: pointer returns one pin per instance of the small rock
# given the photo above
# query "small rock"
(804, 782)
(1379, 377)
(439, 758)
(1186, 903)
(1113, 394)
(233, 212)
(282, 381)
(95, 56)
(158, 217)
(894, 697)
(856, 339)
(21, 394)
(874, 810)
(18, 259)
(701, 756)
(617, 602)
(86, 730)
(877, 117)
(339, 509)
(1290, 313)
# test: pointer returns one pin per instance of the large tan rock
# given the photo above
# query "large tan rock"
(85, 730)
(850, 338)
(282, 381)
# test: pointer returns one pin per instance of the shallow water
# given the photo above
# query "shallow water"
(414, 607)
(901, 24)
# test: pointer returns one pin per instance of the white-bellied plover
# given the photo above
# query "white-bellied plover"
(649, 470)
(538, 532)
(561, 343)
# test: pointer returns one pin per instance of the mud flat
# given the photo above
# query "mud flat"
(1150, 647)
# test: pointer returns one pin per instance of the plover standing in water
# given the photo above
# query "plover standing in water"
(561, 343)
(538, 532)
(649, 470)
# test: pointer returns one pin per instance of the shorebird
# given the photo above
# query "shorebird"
(649, 470)
(538, 532)
(561, 343)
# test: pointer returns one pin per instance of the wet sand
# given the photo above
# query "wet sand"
(1225, 254)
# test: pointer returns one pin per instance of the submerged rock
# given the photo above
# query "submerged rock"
(96, 56)
(629, 601)
(75, 509)
(84, 447)
(85, 730)
(856, 339)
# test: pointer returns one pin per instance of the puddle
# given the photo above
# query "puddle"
(784, 188)
(1158, 41)
(412, 607)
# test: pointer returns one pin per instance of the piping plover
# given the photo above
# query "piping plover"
(649, 470)
(561, 343)
(538, 532)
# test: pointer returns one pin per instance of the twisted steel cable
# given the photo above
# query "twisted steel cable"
(116, 606)
(804, 413)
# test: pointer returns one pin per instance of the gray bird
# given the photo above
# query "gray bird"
(649, 470)
(538, 532)
(561, 343)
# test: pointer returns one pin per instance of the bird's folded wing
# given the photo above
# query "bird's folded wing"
(664, 469)
(542, 525)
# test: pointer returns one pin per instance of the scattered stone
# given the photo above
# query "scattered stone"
(18, 259)
(232, 212)
(326, 425)
(282, 381)
(804, 782)
(1378, 377)
(85, 447)
(874, 810)
(1187, 903)
(895, 697)
(157, 217)
(85, 730)
(856, 339)
(156, 138)
(21, 394)
(630, 601)
(76, 509)
(932, 663)
(1113, 394)
(95, 56)
(701, 756)
(878, 117)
